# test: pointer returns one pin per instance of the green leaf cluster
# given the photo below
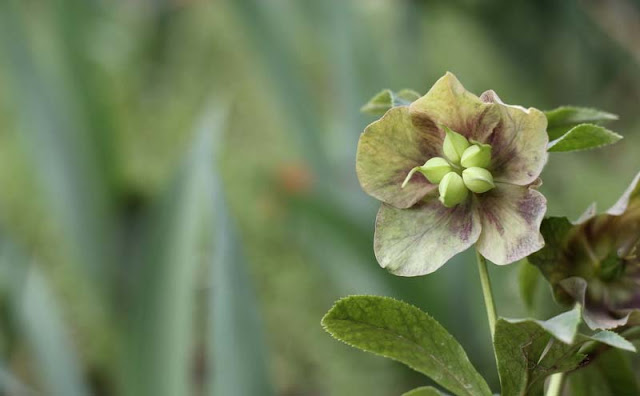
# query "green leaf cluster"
(577, 128)
(527, 350)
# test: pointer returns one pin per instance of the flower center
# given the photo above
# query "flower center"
(462, 169)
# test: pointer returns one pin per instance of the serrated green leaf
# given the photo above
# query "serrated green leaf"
(423, 391)
(583, 137)
(529, 278)
(402, 332)
(562, 119)
(530, 350)
(613, 339)
(386, 99)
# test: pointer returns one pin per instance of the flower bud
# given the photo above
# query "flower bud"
(454, 145)
(452, 190)
(435, 169)
(478, 180)
(477, 155)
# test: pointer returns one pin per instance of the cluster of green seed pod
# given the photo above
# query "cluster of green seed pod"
(462, 169)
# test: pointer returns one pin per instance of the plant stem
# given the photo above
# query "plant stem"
(555, 385)
(486, 292)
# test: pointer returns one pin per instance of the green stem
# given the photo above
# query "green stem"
(486, 292)
(555, 385)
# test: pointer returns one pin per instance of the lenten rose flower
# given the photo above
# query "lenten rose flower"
(596, 261)
(453, 169)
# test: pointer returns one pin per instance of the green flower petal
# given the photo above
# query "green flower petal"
(518, 143)
(511, 217)
(387, 151)
(630, 196)
(419, 240)
(592, 261)
(449, 104)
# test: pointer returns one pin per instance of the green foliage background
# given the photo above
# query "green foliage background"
(178, 200)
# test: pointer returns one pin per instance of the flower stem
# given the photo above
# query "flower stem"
(555, 385)
(486, 292)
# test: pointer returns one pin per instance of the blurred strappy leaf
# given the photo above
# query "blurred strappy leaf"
(49, 339)
(159, 351)
(237, 354)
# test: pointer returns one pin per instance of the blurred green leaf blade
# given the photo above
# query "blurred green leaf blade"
(386, 99)
(162, 334)
(10, 385)
(237, 354)
(423, 391)
(50, 339)
(59, 142)
(529, 278)
(583, 137)
(402, 332)
(611, 374)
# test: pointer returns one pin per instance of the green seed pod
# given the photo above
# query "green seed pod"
(435, 169)
(452, 190)
(477, 155)
(478, 180)
(454, 145)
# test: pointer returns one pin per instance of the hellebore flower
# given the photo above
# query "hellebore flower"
(596, 261)
(453, 169)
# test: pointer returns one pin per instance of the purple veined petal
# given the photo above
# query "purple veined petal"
(449, 104)
(594, 315)
(510, 216)
(419, 240)
(518, 142)
(387, 151)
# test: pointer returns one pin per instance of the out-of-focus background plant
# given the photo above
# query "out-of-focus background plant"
(178, 199)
